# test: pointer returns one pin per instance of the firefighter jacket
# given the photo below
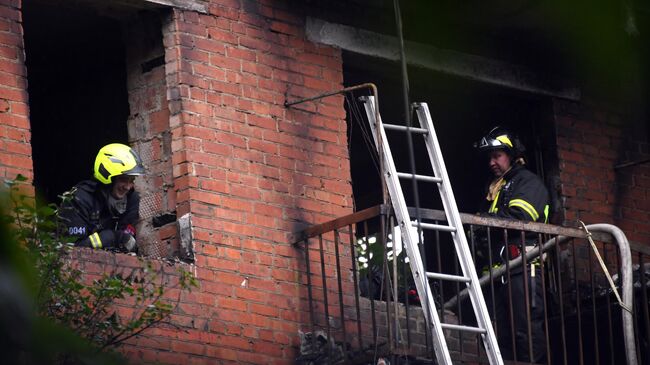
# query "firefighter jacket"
(523, 196)
(88, 218)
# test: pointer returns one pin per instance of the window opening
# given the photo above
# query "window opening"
(96, 75)
(462, 112)
(77, 91)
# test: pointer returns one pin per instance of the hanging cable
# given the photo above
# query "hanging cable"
(357, 120)
(409, 138)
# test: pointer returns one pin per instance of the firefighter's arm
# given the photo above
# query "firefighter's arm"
(75, 215)
(102, 239)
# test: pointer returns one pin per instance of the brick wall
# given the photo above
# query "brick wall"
(591, 142)
(221, 146)
(15, 136)
(250, 172)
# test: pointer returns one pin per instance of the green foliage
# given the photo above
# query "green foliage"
(105, 311)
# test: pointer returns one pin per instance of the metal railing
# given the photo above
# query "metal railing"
(359, 295)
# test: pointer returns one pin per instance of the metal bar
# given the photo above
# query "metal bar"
(440, 284)
(437, 227)
(561, 296)
(477, 220)
(635, 311)
(355, 269)
(610, 326)
(473, 250)
(370, 291)
(459, 312)
(493, 297)
(461, 328)
(441, 276)
(404, 175)
(645, 302)
(338, 223)
(325, 304)
(340, 286)
(632, 163)
(578, 306)
(593, 306)
(403, 128)
(331, 93)
(542, 261)
(509, 286)
(526, 277)
(395, 288)
(385, 284)
(407, 305)
(309, 293)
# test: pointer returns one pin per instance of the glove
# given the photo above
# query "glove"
(130, 244)
(126, 238)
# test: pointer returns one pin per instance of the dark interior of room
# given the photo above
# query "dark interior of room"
(77, 91)
(462, 111)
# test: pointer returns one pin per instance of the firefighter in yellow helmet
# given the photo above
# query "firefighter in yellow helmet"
(102, 212)
(515, 193)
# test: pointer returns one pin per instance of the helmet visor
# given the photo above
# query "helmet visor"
(485, 143)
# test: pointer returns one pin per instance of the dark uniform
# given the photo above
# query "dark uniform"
(89, 217)
(524, 197)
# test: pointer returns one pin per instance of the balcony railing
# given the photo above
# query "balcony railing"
(361, 304)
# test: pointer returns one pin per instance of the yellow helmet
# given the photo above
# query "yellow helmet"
(116, 159)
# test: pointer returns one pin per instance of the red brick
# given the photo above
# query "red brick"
(242, 54)
(209, 72)
(272, 349)
(10, 53)
(11, 67)
(236, 342)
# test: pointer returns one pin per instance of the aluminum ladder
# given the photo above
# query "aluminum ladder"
(411, 239)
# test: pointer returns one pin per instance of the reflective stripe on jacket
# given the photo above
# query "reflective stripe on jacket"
(522, 197)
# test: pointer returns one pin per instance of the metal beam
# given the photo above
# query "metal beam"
(446, 61)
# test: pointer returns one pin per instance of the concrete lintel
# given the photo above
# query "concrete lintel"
(451, 62)
(200, 6)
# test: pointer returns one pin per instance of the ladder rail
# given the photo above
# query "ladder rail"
(460, 240)
(404, 221)
(412, 239)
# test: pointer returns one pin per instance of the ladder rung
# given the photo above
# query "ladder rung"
(435, 227)
(395, 127)
(437, 275)
(434, 179)
(462, 328)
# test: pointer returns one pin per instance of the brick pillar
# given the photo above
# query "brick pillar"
(15, 136)
(250, 172)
